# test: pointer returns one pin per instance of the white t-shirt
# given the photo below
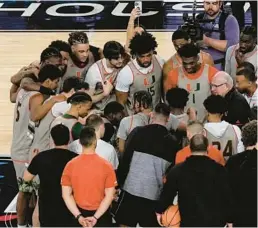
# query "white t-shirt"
(93, 75)
(103, 149)
(60, 108)
(125, 76)
(252, 101)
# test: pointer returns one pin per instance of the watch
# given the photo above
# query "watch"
(78, 216)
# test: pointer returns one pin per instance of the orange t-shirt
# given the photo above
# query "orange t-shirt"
(213, 153)
(89, 175)
(172, 80)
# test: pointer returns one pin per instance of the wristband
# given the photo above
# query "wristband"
(95, 217)
(46, 91)
(78, 216)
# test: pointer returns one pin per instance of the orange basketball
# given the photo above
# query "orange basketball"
(171, 217)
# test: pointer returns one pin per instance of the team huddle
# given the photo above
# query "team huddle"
(115, 136)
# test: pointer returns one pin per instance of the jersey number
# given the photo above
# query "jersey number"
(151, 91)
(193, 98)
(18, 112)
(228, 151)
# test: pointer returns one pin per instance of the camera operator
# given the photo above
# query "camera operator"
(220, 34)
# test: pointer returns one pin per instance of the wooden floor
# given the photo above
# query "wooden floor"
(20, 49)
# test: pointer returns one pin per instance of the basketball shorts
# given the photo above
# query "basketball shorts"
(20, 168)
(131, 210)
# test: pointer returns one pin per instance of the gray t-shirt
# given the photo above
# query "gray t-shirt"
(128, 123)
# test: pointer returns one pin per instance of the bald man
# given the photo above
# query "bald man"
(239, 112)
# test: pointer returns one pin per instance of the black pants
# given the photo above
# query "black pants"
(131, 210)
(238, 12)
(104, 221)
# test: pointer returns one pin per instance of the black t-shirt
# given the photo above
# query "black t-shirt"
(242, 169)
(49, 166)
(109, 132)
(204, 194)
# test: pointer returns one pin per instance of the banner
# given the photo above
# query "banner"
(93, 15)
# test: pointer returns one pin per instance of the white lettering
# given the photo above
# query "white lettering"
(52, 11)
(27, 11)
(118, 11)
(184, 7)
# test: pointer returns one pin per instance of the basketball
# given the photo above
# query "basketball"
(171, 217)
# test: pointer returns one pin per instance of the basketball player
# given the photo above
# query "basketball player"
(29, 106)
(226, 137)
(82, 57)
(103, 149)
(80, 105)
(106, 70)
(177, 99)
(113, 114)
(142, 73)
(192, 76)
(65, 51)
(246, 84)
(48, 166)
(143, 107)
(133, 29)
(26, 78)
(245, 51)
(179, 39)
(41, 139)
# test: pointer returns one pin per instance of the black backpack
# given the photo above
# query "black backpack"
(222, 19)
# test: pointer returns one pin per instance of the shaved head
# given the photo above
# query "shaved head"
(194, 128)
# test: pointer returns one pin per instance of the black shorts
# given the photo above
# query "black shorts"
(131, 210)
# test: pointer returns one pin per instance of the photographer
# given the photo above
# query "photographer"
(220, 34)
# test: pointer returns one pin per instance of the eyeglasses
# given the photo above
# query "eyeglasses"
(217, 86)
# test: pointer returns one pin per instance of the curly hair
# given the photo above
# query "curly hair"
(144, 99)
(113, 50)
(78, 38)
(143, 43)
(177, 97)
(188, 50)
(250, 30)
(215, 104)
(249, 133)
(61, 46)
(180, 34)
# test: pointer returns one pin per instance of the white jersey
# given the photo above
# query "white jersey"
(22, 139)
(226, 137)
(41, 140)
(133, 78)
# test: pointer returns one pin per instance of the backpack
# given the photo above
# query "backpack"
(222, 19)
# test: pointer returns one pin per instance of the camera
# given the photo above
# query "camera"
(192, 27)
